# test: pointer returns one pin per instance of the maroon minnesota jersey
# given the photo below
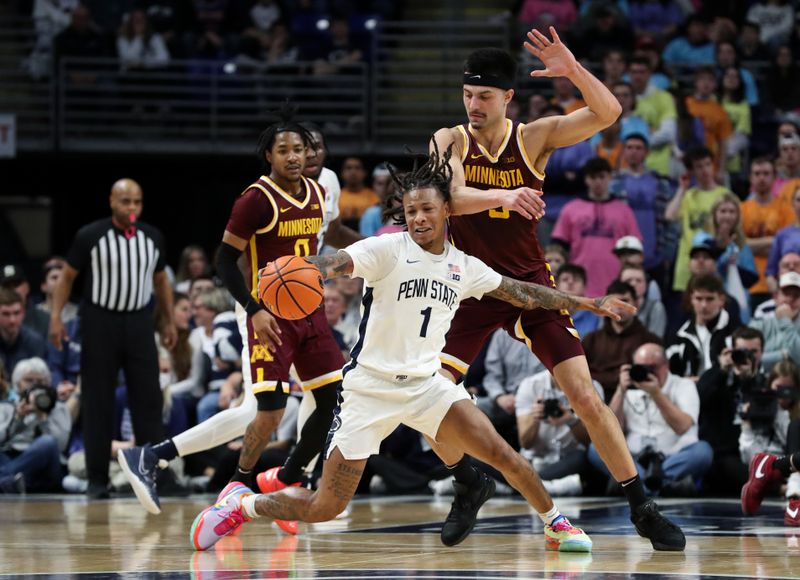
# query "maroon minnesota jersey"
(503, 239)
(276, 224)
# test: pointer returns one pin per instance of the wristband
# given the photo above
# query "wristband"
(252, 308)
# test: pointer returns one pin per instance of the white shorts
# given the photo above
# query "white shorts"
(374, 405)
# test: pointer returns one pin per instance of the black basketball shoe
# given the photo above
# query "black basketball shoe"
(464, 511)
(662, 533)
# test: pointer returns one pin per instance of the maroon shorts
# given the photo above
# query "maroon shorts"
(307, 343)
(550, 334)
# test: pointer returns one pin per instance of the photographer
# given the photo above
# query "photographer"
(551, 436)
(771, 426)
(33, 430)
(738, 370)
(658, 412)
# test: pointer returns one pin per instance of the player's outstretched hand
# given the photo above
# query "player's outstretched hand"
(267, 329)
(609, 306)
(524, 200)
(556, 57)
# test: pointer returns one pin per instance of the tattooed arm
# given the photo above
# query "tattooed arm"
(333, 265)
(529, 296)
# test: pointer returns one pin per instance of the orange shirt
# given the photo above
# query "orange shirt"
(759, 221)
(716, 122)
(788, 188)
(353, 204)
(573, 105)
(613, 156)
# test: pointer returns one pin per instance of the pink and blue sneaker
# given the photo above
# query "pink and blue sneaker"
(221, 519)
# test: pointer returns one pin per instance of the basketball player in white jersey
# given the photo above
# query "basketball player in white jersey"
(414, 282)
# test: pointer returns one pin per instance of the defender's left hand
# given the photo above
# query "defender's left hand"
(556, 57)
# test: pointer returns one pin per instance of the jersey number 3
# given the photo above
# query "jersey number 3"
(500, 213)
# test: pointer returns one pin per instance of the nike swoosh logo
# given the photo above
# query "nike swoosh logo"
(142, 470)
(760, 470)
(475, 76)
(792, 513)
(412, 261)
(285, 209)
(478, 156)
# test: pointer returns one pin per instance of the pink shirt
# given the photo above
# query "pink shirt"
(591, 229)
(562, 11)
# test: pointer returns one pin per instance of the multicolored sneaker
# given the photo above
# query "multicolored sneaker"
(268, 482)
(221, 519)
(791, 517)
(762, 477)
(564, 537)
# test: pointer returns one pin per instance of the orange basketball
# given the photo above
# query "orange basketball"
(290, 287)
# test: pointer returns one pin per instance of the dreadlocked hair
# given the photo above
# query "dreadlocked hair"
(284, 123)
(435, 172)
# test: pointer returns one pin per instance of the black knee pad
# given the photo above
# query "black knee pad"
(272, 400)
(327, 397)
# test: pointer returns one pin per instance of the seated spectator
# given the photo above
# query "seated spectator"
(773, 446)
(262, 17)
(559, 13)
(650, 312)
(82, 38)
(613, 345)
(508, 362)
(632, 124)
(630, 252)
(13, 278)
(50, 18)
(738, 110)
(700, 339)
(224, 351)
(4, 385)
(65, 368)
(571, 279)
(782, 83)
(775, 19)
(608, 146)
(51, 273)
(536, 107)
(720, 389)
(348, 325)
(34, 430)
(763, 216)
(138, 46)
(564, 95)
(181, 358)
(702, 104)
(17, 342)
(749, 43)
(651, 51)
(692, 206)
(383, 186)
(789, 263)
(659, 20)
(788, 166)
(600, 29)
(551, 436)
(658, 412)
(355, 197)
(614, 65)
(782, 331)
(556, 256)
(657, 108)
(334, 311)
(192, 265)
(200, 285)
(694, 48)
(735, 263)
(648, 194)
(786, 240)
(337, 50)
(591, 227)
(728, 57)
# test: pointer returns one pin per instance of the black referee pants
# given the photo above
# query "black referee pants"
(111, 341)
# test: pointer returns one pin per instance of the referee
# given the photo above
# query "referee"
(123, 263)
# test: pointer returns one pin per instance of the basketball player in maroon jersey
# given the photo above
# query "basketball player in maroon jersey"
(493, 152)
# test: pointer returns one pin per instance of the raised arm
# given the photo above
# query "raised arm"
(530, 296)
(468, 200)
(601, 110)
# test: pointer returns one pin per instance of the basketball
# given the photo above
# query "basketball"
(290, 287)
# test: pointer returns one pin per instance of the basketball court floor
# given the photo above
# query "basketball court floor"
(386, 537)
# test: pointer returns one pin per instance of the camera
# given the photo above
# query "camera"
(741, 356)
(43, 397)
(763, 404)
(552, 408)
(639, 373)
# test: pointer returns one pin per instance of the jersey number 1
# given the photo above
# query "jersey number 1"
(426, 318)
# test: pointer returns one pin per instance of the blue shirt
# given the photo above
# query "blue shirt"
(682, 52)
(371, 221)
(786, 240)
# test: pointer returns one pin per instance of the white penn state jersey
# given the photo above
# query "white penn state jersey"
(410, 298)
(330, 184)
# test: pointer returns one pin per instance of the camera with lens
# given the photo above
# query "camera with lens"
(742, 356)
(762, 403)
(638, 374)
(552, 408)
(43, 397)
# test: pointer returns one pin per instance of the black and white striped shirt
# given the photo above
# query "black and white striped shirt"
(118, 271)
